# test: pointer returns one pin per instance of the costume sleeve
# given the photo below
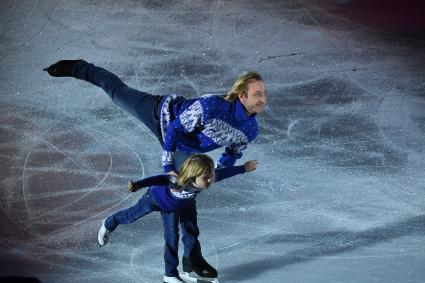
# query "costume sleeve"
(227, 172)
(158, 180)
(185, 123)
(231, 154)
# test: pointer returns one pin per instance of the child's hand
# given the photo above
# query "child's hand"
(132, 187)
(250, 165)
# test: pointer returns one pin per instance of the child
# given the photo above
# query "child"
(170, 195)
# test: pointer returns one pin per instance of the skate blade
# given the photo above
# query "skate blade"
(186, 277)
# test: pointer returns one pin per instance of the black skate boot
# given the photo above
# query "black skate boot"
(62, 68)
(200, 266)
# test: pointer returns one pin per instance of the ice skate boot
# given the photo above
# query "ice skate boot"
(204, 271)
(62, 68)
(103, 235)
(173, 279)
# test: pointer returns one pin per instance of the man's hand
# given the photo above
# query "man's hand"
(172, 173)
(250, 166)
(132, 187)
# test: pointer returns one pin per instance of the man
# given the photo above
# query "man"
(183, 127)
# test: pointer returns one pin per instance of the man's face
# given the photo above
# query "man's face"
(254, 99)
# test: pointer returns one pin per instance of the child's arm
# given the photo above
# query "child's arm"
(227, 172)
(158, 180)
(250, 165)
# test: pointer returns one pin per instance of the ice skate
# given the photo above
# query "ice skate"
(62, 68)
(103, 234)
(203, 271)
(192, 278)
(173, 279)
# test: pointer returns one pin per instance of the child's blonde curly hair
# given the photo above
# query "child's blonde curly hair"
(195, 166)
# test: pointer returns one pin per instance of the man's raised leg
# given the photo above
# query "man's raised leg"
(142, 105)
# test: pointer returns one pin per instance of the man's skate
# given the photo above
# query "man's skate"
(205, 272)
(62, 68)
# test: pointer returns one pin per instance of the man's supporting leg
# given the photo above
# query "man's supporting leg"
(190, 230)
(192, 256)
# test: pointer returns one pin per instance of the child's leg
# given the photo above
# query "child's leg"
(142, 105)
(144, 206)
(170, 221)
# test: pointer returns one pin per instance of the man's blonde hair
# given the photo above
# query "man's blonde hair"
(195, 166)
(241, 85)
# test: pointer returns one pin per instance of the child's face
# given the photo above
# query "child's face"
(204, 181)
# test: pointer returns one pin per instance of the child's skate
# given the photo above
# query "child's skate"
(173, 279)
(103, 235)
